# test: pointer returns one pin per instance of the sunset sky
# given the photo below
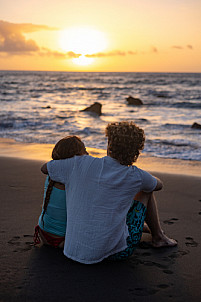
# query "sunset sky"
(106, 35)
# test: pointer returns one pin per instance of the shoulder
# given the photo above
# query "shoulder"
(149, 182)
(86, 158)
(83, 158)
(141, 172)
(144, 175)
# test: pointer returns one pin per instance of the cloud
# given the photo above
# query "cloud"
(119, 53)
(107, 54)
(45, 52)
(130, 52)
(189, 46)
(154, 49)
(72, 54)
(177, 47)
(111, 54)
(12, 40)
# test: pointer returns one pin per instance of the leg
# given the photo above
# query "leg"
(146, 229)
(43, 238)
(159, 239)
(135, 221)
(51, 239)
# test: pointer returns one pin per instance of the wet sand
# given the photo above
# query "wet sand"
(42, 273)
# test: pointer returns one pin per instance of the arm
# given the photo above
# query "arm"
(59, 170)
(150, 183)
(159, 184)
(44, 169)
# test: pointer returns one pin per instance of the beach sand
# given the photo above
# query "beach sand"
(43, 273)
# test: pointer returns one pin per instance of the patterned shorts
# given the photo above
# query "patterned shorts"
(135, 222)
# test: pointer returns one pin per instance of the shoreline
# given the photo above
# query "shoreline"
(42, 152)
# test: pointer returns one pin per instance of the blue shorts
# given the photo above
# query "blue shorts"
(135, 222)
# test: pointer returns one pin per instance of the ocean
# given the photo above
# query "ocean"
(43, 107)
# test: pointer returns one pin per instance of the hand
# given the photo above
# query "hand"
(159, 185)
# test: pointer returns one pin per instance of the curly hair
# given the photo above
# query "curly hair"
(125, 141)
(67, 147)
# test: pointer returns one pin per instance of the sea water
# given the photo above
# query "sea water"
(43, 107)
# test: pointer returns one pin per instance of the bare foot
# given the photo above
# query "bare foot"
(164, 241)
(146, 229)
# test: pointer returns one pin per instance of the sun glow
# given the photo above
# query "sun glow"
(82, 60)
(82, 41)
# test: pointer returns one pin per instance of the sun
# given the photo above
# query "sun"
(82, 60)
(82, 41)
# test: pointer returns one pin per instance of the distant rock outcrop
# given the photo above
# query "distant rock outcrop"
(47, 107)
(134, 101)
(196, 126)
(95, 108)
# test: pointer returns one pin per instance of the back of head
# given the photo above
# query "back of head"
(67, 147)
(125, 141)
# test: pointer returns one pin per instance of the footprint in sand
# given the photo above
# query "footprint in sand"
(191, 242)
(163, 286)
(170, 221)
(178, 254)
(14, 240)
(21, 246)
(152, 263)
(141, 291)
(167, 271)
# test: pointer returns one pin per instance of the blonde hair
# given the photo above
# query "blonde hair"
(125, 141)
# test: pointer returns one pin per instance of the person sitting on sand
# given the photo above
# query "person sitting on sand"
(52, 222)
(103, 221)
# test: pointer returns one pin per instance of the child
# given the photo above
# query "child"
(52, 221)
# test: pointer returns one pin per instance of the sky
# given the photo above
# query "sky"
(106, 35)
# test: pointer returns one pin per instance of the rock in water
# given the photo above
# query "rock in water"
(95, 108)
(47, 107)
(196, 126)
(134, 101)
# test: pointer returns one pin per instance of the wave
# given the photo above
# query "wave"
(176, 126)
(88, 131)
(21, 123)
(6, 100)
(6, 125)
(188, 105)
(180, 105)
(175, 143)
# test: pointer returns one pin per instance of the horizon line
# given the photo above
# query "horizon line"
(80, 71)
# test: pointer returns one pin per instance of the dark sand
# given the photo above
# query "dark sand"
(43, 273)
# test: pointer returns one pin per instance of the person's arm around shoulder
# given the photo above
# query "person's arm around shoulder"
(59, 170)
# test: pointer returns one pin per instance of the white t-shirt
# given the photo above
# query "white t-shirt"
(99, 193)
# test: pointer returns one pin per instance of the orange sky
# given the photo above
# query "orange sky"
(112, 35)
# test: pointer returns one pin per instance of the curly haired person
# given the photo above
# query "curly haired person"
(108, 199)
